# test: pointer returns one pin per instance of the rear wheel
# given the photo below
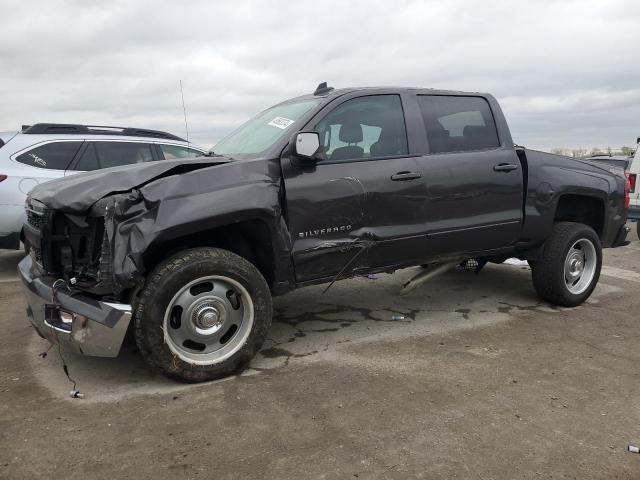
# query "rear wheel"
(568, 271)
(638, 229)
(203, 314)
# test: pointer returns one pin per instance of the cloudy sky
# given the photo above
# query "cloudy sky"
(566, 73)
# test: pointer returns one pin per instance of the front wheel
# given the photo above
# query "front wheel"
(570, 266)
(203, 314)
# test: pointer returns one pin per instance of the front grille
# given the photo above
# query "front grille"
(67, 247)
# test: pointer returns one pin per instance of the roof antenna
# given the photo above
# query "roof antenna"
(184, 111)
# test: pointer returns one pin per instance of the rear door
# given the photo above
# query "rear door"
(362, 205)
(473, 177)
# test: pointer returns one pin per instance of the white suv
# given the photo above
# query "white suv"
(46, 151)
(634, 194)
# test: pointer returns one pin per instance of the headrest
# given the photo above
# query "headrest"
(350, 132)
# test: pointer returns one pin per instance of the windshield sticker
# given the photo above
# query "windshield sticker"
(37, 160)
(281, 122)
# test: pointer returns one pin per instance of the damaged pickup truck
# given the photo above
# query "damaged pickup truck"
(187, 254)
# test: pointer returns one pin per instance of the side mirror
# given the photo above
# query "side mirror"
(306, 144)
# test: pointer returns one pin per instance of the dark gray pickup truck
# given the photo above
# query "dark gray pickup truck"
(187, 254)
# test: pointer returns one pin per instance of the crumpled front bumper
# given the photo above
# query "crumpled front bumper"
(88, 326)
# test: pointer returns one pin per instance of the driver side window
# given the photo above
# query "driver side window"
(364, 128)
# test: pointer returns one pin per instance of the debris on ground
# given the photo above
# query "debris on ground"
(516, 262)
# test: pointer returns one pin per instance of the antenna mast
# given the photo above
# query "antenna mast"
(184, 111)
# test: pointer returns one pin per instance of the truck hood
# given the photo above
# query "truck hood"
(77, 193)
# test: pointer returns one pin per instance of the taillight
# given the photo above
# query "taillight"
(632, 183)
(3, 178)
(627, 190)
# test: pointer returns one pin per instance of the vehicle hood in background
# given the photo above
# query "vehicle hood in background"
(77, 193)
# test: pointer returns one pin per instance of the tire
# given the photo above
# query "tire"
(638, 229)
(571, 249)
(203, 314)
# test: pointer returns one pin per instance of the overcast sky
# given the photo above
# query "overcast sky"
(566, 73)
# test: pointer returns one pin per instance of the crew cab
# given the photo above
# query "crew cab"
(188, 253)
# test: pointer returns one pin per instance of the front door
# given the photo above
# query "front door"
(362, 204)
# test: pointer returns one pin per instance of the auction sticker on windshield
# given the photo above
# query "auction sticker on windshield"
(281, 122)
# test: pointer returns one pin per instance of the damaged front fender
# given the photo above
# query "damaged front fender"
(184, 205)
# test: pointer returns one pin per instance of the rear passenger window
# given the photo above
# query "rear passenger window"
(173, 152)
(458, 124)
(53, 156)
(113, 154)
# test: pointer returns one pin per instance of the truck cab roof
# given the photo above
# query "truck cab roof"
(331, 93)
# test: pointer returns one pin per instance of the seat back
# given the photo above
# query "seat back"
(350, 133)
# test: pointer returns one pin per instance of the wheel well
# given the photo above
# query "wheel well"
(581, 209)
(249, 239)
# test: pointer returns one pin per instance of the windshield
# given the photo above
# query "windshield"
(263, 130)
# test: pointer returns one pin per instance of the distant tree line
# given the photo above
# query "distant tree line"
(584, 152)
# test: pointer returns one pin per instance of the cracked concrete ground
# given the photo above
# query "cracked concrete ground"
(479, 380)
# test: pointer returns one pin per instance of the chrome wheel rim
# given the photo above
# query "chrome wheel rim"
(208, 320)
(580, 266)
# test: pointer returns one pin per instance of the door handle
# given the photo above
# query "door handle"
(404, 176)
(505, 167)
